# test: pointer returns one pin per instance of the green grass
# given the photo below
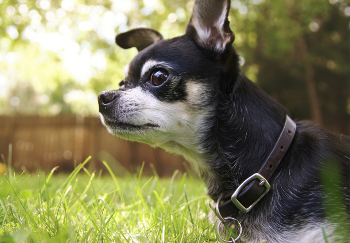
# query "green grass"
(86, 207)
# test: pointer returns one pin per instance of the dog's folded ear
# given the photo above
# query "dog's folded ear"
(139, 38)
(209, 25)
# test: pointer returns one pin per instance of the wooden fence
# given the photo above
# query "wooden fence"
(46, 142)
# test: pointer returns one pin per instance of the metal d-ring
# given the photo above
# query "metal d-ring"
(232, 240)
(223, 221)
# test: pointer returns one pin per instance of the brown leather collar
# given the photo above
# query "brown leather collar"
(257, 185)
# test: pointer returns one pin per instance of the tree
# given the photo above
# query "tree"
(56, 56)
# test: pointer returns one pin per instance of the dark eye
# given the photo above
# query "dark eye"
(159, 77)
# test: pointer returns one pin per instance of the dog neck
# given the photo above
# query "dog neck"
(246, 125)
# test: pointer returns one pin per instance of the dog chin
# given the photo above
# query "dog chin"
(127, 130)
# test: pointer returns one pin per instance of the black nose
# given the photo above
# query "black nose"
(106, 98)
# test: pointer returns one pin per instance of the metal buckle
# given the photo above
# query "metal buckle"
(263, 182)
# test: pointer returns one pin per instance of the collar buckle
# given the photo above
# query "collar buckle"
(256, 186)
(262, 182)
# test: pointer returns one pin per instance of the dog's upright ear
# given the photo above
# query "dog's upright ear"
(209, 25)
(139, 38)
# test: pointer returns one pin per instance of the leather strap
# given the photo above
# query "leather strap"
(255, 189)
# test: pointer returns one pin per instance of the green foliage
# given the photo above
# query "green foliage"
(56, 56)
(332, 179)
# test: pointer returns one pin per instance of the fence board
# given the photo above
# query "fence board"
(46, 142)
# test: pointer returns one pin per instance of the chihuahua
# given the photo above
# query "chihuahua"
(188, 96)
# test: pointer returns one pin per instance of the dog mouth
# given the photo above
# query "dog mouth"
(128, 127)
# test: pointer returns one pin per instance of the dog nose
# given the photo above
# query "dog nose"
(105, 98)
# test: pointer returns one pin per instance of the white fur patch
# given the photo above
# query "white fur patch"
(196, 92)
(147, 66)
(311, 233)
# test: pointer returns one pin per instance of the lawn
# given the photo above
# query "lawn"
(89, 207)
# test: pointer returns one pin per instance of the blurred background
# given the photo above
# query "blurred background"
(56, 56)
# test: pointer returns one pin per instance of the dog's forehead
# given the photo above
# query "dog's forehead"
(162, 51)
(180, 54)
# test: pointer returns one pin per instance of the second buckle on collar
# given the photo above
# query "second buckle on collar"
(234, 197)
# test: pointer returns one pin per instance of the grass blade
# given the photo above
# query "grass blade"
(114, 179)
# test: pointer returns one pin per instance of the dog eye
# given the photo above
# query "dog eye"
(159, 77)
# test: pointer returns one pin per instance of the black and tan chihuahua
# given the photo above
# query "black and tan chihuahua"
(188, 96)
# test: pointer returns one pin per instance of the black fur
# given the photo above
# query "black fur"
(240, 131)
(243, 133)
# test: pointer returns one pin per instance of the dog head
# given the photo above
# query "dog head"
(170, 90)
